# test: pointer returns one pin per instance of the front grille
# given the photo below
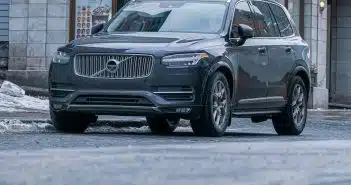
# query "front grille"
(113, 66)
(111, 100)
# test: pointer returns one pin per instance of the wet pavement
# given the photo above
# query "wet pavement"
(248, 154)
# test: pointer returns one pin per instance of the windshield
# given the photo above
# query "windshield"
(200, 17)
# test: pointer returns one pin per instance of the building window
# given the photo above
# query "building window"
(87, 13)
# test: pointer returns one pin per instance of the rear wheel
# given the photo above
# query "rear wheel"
(69, 122)
(162, 125)
(293, 120)
(216, 114)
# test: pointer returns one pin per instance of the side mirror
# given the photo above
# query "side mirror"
(245, 31)
(240, 33)
(97, 28)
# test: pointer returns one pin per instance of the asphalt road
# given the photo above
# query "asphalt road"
(249, 154)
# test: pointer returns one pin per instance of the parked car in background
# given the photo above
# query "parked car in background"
(205, 61)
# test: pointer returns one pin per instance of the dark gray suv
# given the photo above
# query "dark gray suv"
(202, 60)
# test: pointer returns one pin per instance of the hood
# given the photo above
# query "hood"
(143, 42)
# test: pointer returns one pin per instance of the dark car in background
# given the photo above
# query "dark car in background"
(205, 60)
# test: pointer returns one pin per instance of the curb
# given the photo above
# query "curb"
(339, 106)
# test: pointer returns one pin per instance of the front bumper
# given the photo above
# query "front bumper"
(116, 102)
(174, 91)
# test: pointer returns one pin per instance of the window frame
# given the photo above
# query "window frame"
(285, 11)
(233, 14)
(276, 28)
(286, 15)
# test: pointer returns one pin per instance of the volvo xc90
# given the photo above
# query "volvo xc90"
(201, 60)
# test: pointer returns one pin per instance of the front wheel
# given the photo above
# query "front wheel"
(293, 120)
(69, 122)
(216, 114)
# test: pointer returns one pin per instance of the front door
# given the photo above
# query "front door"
(252, 58)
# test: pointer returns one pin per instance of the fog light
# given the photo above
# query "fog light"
(57, 106)
(183, 110)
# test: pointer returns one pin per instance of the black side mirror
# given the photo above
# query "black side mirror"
(97, 28)
(240, 33)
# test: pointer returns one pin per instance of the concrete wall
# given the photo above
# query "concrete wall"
(37, 28)
(341, 52)
(315, 33)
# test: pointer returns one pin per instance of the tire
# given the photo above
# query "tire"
(68, 122)
(162, 125)
(209, 125)
(293, 120)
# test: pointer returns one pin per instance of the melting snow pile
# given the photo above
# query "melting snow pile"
(13, 98)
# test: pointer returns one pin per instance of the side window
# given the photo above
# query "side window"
(282, 21)
(265, 21)
(242, 15)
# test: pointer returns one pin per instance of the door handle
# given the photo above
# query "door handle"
(264, 63)
(262, 50)
(288, 49)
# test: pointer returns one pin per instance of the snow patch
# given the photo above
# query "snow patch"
(13, 99)
(107, 129)
(17, 126)
(22, 104)
(11, 89)
(143, 129)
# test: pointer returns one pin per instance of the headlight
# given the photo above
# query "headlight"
(179, 60)
(60, 58)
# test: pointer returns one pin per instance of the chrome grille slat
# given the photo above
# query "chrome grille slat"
(130, 66)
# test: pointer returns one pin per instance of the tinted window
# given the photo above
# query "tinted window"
(174, 16)
(282, 21)
(242, 15)
(265, 21)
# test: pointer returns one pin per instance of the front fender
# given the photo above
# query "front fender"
(219, 65)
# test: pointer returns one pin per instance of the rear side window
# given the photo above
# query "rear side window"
(242, 15)
(265, 20)
(283, 22)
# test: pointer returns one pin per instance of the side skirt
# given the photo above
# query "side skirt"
(256, 113)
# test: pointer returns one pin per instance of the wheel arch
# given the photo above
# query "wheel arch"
(305, 75)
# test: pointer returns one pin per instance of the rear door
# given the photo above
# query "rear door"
(281, 57)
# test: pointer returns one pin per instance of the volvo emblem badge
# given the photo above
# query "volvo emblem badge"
(112, 65)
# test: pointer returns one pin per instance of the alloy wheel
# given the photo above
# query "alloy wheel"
(219, 103)
(298, 105)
